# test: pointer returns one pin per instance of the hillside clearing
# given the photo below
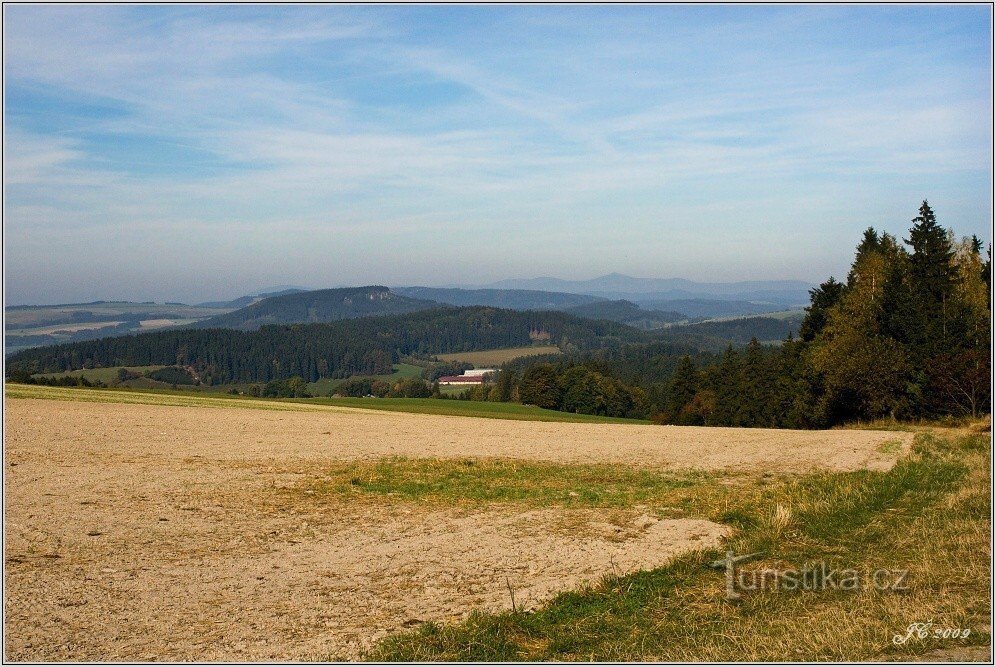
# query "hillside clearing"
(485, 358)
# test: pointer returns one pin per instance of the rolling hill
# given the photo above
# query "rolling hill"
(249, 299)
(738, 331)
(317, 306)
(361, 346)
(619, 286)
(626, 312)
(709, 308)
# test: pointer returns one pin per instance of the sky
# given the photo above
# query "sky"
(190, 153)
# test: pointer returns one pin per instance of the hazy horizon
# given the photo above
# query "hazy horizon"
(196, 153)
(257, 290)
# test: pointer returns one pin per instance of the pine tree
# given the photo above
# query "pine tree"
(932, 276)
(682, 388)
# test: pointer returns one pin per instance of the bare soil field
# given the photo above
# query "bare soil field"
(140, 532)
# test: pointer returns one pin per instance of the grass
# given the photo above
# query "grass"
(891, 446)
(474, 481)
(327, 386)
(435, 406)
(928, 515)
(486, 358)
(105, 375)
(195, 398)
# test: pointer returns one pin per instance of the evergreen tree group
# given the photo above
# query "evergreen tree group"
(907, 336)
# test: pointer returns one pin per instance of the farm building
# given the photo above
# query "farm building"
(471, 377)
(461, 379)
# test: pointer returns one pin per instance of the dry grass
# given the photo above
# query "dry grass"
(929, 515)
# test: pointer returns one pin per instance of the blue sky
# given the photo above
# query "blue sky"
(202, 152)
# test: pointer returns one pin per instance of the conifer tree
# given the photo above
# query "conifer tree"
(932, 277)
(682, 388)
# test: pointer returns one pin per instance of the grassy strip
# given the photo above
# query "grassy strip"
(929, 515)
(498, 356)
(430, 406)
(435, 406)
(151, 397)
(448, 481)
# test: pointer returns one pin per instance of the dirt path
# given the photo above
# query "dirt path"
(138, 532)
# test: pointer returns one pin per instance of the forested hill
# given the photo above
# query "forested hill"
(736, 331)
(339, 349)
(626, 312)
(316, 306)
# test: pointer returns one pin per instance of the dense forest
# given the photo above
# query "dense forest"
(626, 312)
(907, 335)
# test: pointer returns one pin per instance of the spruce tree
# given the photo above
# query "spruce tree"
(684, 384)
(932, 276)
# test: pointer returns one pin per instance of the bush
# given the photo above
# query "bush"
(294, 387)
(173, 375)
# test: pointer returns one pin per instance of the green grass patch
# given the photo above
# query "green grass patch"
(452, 481)
(891, 446)
(928, 515)
(105, 375)
(435, 406)
(196, 398)
(327, 386)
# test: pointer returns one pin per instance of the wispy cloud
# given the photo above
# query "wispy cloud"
(430, 128)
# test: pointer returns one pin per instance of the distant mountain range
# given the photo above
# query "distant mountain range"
(329, 305)
(779, 293)
(516, 299)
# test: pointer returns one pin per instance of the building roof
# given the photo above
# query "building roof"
(464, 379)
